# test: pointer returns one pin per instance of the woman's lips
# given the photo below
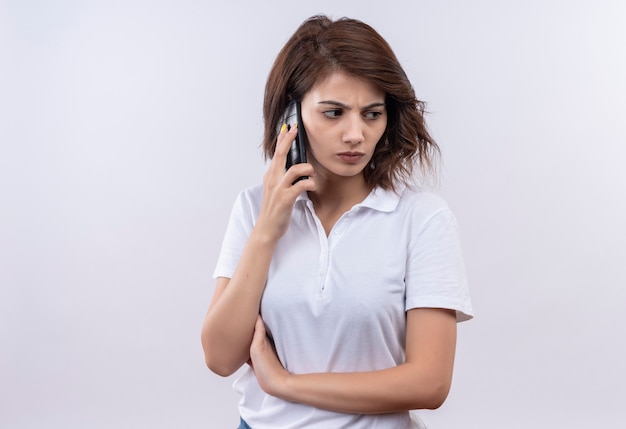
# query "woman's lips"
(351, 157)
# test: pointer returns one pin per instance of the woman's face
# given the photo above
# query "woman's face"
(344, 117)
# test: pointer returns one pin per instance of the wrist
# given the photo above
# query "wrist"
(263, 238)
(283, 389)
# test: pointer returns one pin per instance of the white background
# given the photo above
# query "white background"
(128, 127)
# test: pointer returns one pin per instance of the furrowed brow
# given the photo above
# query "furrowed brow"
(345, 106)
(334, 103)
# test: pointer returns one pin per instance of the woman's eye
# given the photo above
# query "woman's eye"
(373, 114)
(334, 113)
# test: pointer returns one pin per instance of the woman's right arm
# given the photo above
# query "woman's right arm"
(229, 323)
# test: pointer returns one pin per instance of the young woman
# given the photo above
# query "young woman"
(340, 291)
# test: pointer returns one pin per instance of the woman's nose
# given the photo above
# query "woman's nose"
(353, 132)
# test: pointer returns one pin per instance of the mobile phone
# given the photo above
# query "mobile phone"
(297, 153)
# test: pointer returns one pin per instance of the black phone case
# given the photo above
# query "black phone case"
(297, 153)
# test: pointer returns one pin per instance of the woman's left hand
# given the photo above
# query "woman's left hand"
(264, 361)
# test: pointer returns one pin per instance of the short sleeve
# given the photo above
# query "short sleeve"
(435, 272)
(240, 225)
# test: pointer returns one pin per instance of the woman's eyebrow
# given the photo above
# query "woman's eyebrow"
(345, 106)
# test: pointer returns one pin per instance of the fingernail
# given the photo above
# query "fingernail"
(283, 128)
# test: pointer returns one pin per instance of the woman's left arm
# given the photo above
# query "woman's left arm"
(423, 381)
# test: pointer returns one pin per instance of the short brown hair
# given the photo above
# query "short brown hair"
(320, 47)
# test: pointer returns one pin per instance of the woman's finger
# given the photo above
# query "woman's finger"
(283, 144)
(258, 339)
(259, 325)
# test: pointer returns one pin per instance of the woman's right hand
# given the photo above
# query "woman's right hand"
(279, 192)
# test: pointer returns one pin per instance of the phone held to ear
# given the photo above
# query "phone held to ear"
(297, 153)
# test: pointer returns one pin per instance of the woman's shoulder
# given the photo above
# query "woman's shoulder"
(251, 196)
(254, 191)
(247, 202)
(422, 201)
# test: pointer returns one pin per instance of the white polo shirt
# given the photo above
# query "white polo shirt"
(337, 303)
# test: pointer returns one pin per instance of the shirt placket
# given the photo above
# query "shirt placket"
(326, 246)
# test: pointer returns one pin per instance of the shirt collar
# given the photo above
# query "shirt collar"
(379, 199)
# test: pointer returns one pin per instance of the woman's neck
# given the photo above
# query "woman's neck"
(334, 197)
